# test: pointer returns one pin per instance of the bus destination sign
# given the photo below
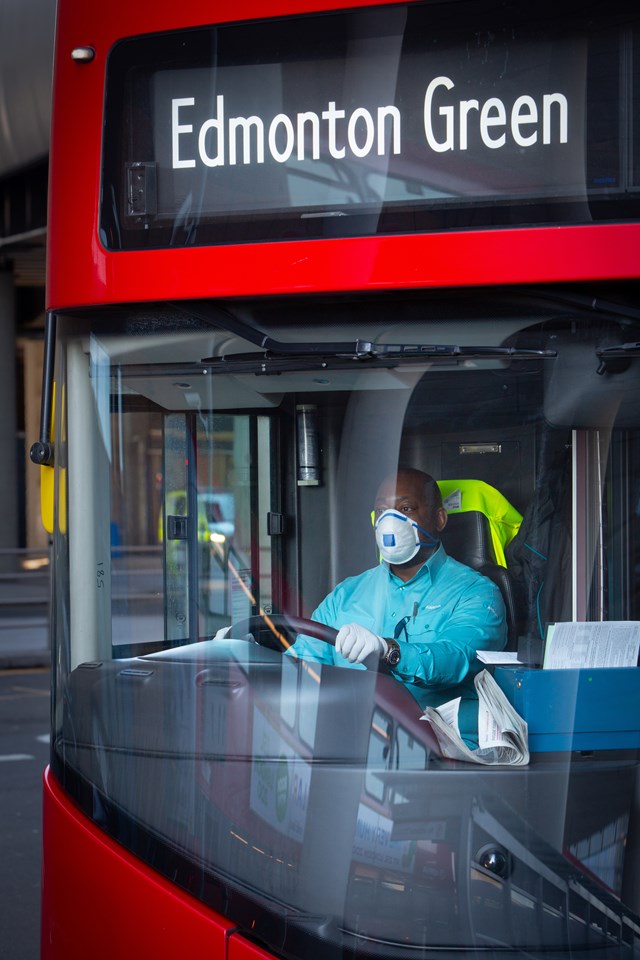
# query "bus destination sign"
(364, 113)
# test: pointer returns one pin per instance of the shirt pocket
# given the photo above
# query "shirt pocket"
(422, 631)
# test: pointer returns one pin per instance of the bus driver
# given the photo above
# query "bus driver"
(419, 611)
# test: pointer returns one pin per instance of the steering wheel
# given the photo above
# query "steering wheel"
(267, 630)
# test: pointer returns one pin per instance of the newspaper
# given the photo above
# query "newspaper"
(498, 657)
(591, 645)
(502, 733)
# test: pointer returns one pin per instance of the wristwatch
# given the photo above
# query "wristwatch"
(392, 656)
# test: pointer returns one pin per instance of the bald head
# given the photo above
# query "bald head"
(420, 484)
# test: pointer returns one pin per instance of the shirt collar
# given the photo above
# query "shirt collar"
(430, 568)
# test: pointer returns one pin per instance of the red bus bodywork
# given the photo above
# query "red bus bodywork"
(81, 272)
(150, 917)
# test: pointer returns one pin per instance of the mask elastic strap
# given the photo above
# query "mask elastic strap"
(431, 541)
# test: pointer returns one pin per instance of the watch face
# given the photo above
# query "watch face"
(393, 657)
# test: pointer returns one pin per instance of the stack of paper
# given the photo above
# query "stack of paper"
(502, 733)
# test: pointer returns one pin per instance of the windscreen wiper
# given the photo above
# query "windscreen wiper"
(378, 356)
(620, 352)
(453, 351)
(359, 349)
(363, 350)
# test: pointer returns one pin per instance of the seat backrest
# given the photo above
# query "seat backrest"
(462, 496)
(467, 538)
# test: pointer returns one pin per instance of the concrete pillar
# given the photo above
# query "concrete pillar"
(8, 425)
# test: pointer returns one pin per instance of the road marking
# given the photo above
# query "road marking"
(13, 672)
(31, 691)
(16, 756)
(20, 693)
(44, 738)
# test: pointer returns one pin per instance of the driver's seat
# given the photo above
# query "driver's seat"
(467, 538)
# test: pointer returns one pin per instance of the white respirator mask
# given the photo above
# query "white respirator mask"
(398, 537)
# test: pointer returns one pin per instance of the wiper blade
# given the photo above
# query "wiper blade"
(359, 349)
(387, 356)
(363, 350)
(615, 359)
(446, 350)
(619, 350)
(265, 364)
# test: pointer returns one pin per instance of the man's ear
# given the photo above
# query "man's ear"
(441, 519)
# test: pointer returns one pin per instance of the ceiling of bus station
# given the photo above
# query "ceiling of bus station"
(26, 58)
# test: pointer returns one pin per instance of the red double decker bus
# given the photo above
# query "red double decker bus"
(294, 245)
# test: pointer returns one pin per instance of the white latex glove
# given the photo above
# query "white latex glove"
(356, 643)
(222, 633)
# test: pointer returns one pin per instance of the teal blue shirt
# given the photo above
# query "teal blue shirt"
(453, 612)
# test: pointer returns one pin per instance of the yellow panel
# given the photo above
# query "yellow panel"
(47, 494)
(46, 498)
